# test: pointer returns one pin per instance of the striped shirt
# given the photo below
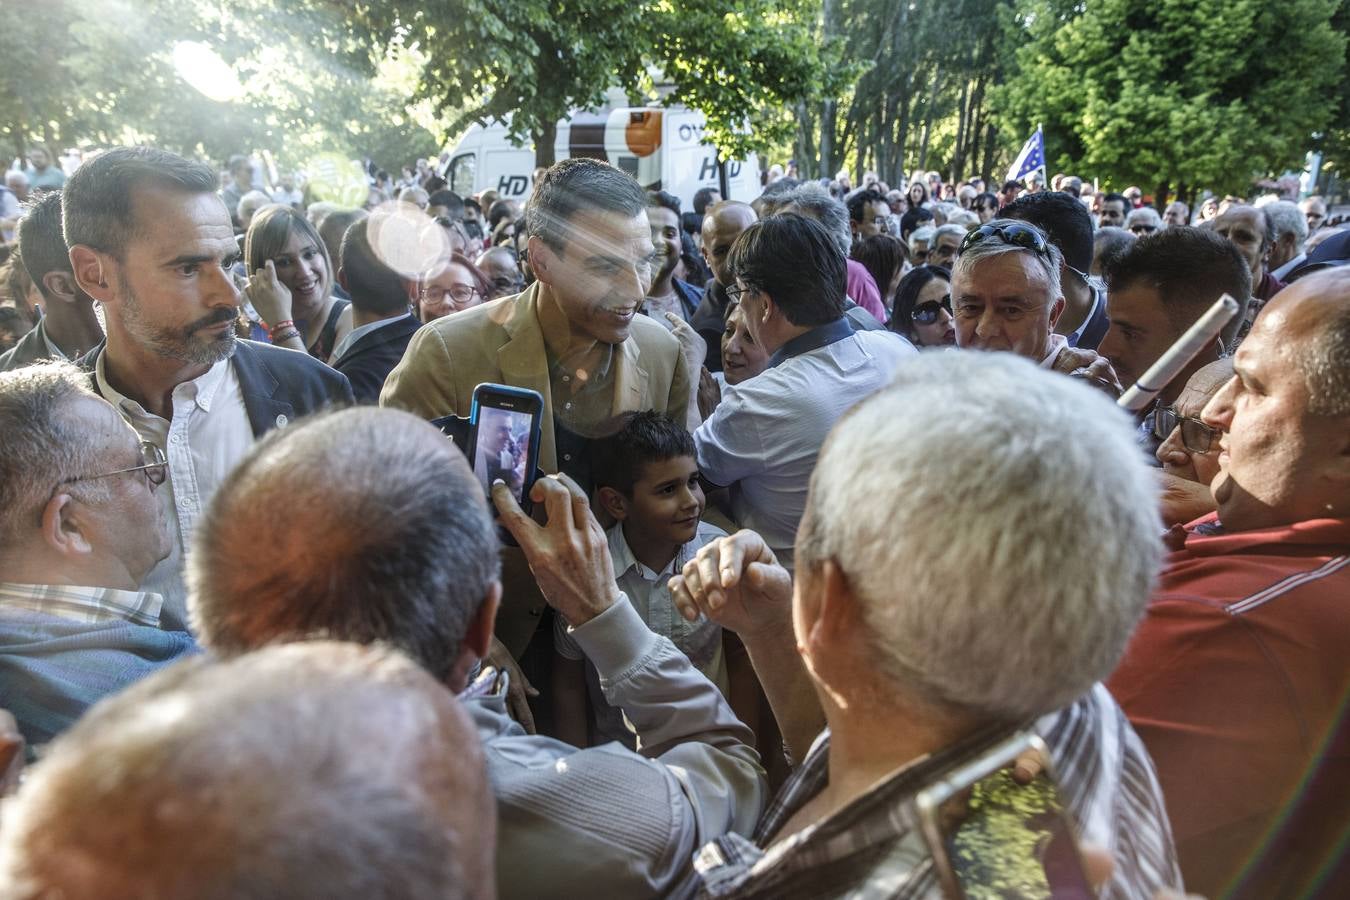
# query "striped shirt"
(86, 605)
(873, 847)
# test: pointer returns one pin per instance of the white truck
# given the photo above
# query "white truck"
(661, 147)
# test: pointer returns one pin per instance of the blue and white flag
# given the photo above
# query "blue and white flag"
(1030, 159)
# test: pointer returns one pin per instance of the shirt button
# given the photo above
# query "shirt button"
(176, 439)
(567, 405)
(282, 420)
(567, 457)
(567, 378)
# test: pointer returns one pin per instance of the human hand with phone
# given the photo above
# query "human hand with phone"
(569, 554)
(735, 581)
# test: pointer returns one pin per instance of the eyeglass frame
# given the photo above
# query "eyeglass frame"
(450, 292)
(149, 450)
(1147, 229)
(735, 292)
(1170, 415)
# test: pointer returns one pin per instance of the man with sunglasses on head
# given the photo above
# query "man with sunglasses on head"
(1237, 677)
(1006, 296)
(80, 528)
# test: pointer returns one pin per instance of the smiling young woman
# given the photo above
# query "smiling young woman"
(291, 282)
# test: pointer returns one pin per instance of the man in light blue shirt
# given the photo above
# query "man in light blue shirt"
(763, 438)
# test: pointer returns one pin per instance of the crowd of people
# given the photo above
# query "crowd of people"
(833, 500)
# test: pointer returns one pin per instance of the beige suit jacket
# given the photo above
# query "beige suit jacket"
(502, 342)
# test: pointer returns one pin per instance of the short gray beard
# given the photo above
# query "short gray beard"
(171, 343)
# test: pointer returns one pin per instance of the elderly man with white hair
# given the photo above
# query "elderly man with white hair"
(1143, 221)
(312, 770)
(1006, 295)
(936, 600)
(1291, 235)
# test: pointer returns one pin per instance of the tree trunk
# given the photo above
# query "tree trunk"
(828, 106)
(544, 137)
(992, 182)
(962, 124)
(1160, 196)
(928, 113)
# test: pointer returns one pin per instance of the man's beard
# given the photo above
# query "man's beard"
(187, 343)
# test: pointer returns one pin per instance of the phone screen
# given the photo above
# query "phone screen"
(1006, 839)
(503, 449)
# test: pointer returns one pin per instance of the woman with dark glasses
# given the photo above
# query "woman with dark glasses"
(923, 308)
(1189, 451)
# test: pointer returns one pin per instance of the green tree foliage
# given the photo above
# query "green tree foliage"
(100, 72)
(738, 61)
(1174, 93)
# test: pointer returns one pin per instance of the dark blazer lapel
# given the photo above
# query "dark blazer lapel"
(379, 337)
(259, 387)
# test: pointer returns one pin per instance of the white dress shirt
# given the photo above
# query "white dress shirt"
(763, 439)
(208, 434)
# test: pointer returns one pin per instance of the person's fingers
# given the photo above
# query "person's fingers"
(709, 573)
(769, 579)
(512, 517)
(683, 600)
(581, 505)
(1028, 766)
(271, 270)
(695, 587)
(558, 505)
(734, 552)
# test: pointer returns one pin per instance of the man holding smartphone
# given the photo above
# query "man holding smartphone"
(575, 336)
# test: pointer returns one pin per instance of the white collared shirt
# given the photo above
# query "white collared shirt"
(208, 434)
(763, 439)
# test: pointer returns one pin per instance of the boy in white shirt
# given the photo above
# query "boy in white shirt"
(646, 478)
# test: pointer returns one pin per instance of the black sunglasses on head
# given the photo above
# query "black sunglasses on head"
(1023, 236)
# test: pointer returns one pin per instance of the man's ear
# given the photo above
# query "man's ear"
(542, 258)
(95, 272)
(613, 502)
(63, 526)
(60, 286)
(1056, 310)
(478, 637)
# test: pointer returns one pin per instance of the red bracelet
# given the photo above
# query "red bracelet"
(280, 326)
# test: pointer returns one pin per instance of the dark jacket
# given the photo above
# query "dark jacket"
(31, 348)
(370, 359)
(278, 385)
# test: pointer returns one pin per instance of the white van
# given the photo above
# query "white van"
(661, 147)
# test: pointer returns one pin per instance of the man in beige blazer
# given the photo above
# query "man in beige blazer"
(577, 336)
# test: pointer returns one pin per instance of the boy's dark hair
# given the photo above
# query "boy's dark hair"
(374, 287)
(453, 203)
(641, 438)
(703, 199)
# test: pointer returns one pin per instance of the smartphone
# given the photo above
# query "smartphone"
(991, 837)
(504, 425)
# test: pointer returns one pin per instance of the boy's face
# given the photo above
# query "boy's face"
(667, 500)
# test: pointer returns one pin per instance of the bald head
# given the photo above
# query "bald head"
(1316, 308)
(344, 769)
(361, 525)
(721, 226)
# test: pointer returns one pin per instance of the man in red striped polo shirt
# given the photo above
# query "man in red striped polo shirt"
(1237, 678)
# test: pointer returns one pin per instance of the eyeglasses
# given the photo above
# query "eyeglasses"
(459, 295)
(1143, 229)
(735, 292)
(1196, 436)
(153, 463)
(1023, 236)
(927, 313)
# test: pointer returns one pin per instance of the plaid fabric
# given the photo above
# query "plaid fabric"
(873, 847)
(87, 605)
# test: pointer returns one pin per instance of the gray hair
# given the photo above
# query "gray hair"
(1144, 215)
(959, 231)
(1028, 559)
(1049, 261)
(1286, 218)
(813, 201)
(1325, 358)
(250, 203)
(40, 445)
(925, 233)
(344, 769)
(383, 527)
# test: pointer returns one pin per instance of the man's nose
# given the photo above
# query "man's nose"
(1171, 450)
(989, 324)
